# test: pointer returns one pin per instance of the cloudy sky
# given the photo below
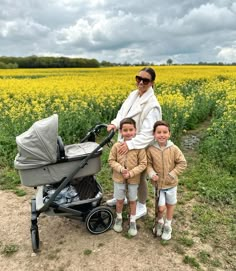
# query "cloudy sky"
(187, 31)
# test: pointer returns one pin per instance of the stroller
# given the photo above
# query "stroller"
(64, 176)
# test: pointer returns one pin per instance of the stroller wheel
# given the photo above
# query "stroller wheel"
(99, 220)
(34, 227)
(35, 238)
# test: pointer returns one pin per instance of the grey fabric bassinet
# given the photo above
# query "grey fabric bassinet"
(37, 158)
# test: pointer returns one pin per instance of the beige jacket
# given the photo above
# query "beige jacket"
(135, 161)
(167, 163)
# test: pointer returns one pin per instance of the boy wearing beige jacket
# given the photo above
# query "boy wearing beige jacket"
(165, 163)
(126, 170)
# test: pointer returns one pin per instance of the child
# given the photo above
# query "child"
(126, 171)
(165, 163)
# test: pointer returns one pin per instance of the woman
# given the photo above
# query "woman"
(142, 106)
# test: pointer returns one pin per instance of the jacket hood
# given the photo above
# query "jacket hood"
(168, 144)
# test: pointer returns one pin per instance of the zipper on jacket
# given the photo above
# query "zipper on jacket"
(162, 154)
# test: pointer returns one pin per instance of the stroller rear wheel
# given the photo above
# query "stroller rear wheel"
(99, 220)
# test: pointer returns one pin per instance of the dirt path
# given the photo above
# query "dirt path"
(65, 242)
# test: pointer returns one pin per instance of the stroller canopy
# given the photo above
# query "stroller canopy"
(38, 145)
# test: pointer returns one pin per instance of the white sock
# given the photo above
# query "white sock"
(168, 222)
(119, 215)
(132, 218)
(161, 220)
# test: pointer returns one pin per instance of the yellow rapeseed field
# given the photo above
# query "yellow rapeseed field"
(83, 97)
(40, 92)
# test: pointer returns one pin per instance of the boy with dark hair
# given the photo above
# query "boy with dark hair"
(126, 172)
(165, 163)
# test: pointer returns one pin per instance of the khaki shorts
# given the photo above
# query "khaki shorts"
(168, 196)
(120, 191)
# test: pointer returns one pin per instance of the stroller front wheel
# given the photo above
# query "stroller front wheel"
(99, 220)
(35, 238)
(34, 227)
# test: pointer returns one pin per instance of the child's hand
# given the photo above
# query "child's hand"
(154, 180)
(125, 173)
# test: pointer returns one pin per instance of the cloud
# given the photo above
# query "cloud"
(119, 31)
(105, 33)
(26, 29)
(227, 54)
(199, 20)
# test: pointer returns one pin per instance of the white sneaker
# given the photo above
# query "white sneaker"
(160, 227)
(118, 225)
(132, 229)
(166, 235)
(112, 202)
(141, 210)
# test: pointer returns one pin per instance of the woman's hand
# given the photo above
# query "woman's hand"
(123, 148)
(110, 127)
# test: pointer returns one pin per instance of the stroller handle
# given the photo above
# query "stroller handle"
(109, 137)
(91, 135)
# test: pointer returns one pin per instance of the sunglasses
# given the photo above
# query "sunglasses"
(146, 81)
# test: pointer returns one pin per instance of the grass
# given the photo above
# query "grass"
(206, 212)
(185, 241)
(9, 249)
(9, 180)
(164, 243)
(203, 256)
(206, 258)
(214, 185)
(179, 249)
(187, 196)
(104, 175)
(126, 235)
(87, 252)
(191, 261)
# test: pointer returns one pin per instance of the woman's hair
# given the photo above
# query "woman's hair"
(161, 123)
(127, 121)
(150, 71)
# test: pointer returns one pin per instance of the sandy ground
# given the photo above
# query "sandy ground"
(64, 243)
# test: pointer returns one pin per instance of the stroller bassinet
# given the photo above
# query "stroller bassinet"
(63, 175)
(42, 161)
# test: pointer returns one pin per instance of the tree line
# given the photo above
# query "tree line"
(66, 62)
(47, 62)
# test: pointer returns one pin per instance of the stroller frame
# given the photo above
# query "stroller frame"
(98, 218)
